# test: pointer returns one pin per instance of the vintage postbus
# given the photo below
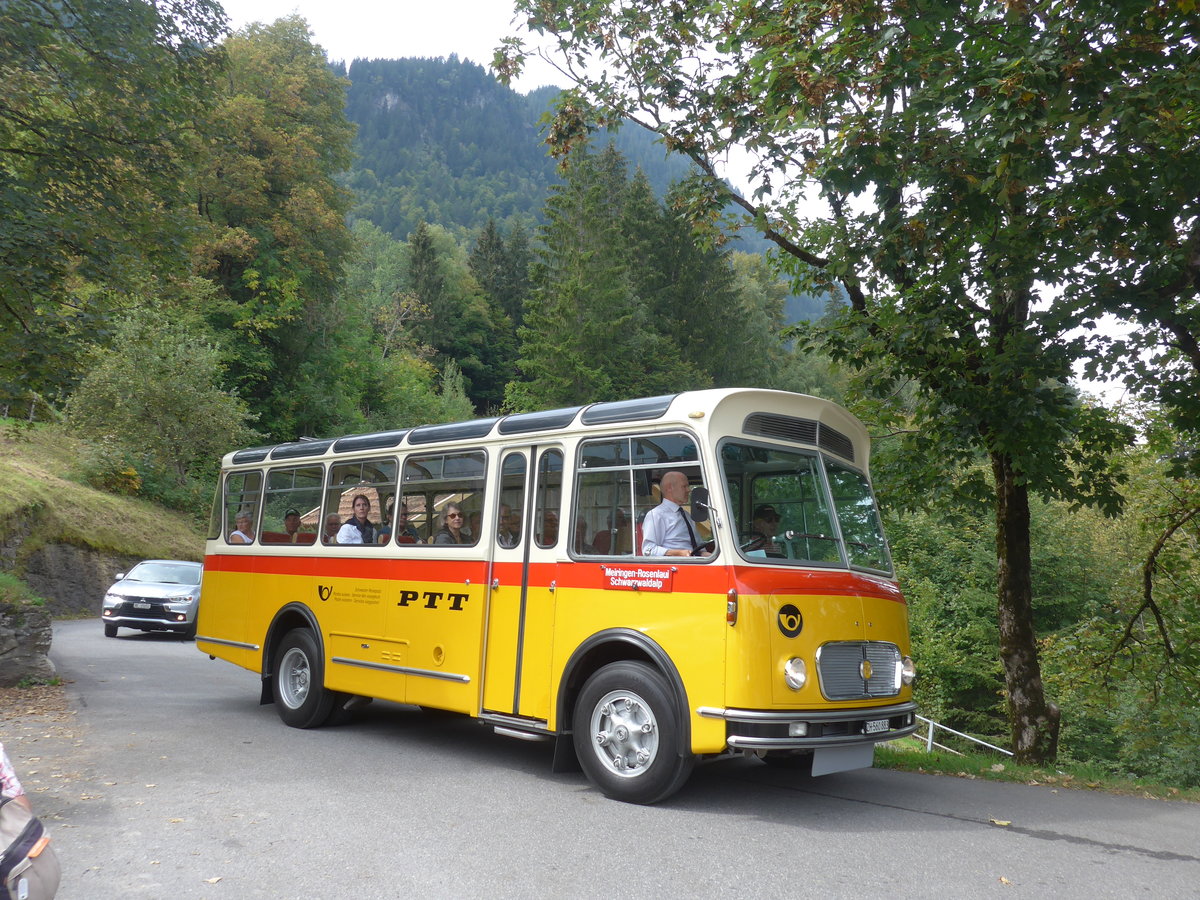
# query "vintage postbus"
(503, 568)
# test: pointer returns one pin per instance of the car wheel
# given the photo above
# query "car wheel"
(110, 630)
(625, 734)
(298, 681)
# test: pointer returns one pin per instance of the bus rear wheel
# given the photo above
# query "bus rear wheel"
(298, 683)
(626, 737)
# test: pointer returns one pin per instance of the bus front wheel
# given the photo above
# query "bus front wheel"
(298, 682)
(626, 736)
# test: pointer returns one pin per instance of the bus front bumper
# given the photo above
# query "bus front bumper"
(799, 729)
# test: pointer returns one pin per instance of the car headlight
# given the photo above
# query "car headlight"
(908, 670)
(795, 673)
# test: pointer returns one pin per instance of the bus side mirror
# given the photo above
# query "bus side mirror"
(699, 499)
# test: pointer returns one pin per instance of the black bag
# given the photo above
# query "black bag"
(28, 867)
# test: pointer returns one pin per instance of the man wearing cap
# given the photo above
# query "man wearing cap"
(291, 525)
(766, 521)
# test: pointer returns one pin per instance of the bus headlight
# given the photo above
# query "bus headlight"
(908, 670)
(795, 673)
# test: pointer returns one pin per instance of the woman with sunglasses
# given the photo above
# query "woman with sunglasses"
(452, 524)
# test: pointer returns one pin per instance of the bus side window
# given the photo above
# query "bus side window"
(243, 490)
(373, 479)
(549, 497)
(512, 501)
(438, 484)
(292, 509)
(602, 525)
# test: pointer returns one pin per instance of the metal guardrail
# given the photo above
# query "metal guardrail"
(930, 743)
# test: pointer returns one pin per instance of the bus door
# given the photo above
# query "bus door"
(516, 679)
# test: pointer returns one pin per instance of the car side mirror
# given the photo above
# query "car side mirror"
(700, 508)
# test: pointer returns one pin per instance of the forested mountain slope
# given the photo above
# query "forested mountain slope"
(442, 140)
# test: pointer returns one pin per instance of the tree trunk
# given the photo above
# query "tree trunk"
(1034, 721)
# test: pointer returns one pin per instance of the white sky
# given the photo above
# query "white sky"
(394, 29)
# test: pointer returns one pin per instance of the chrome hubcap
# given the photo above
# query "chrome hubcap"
(625, 733)
(294, 677)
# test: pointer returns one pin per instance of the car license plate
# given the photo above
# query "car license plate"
(875, 726)
(141, 606)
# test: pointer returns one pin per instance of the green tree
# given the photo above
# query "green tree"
(96, 134)
(946, 144)
(587, 334)
(159, 397)
(276, 238)
(463, 325)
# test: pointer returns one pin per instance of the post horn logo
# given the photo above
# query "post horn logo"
(324, 591)
(790, 621)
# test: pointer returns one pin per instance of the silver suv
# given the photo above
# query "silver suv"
(156, 595)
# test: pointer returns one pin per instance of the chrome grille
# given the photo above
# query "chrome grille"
(840, 667)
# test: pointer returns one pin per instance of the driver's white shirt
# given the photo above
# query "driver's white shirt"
(663, 529)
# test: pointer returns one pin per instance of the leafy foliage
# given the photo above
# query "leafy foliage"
(95, 137)
(158, 401)
(276, 239)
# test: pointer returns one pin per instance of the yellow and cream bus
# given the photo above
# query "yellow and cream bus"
(504, 569)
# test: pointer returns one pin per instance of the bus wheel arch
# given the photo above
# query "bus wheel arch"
(636, 659)
(298, 680)
(626, 733)
(289, 618)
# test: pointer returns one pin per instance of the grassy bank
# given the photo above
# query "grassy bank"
(43, 499)
(907, 755)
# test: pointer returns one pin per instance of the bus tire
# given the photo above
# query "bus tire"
(298, 683)
(626, 736)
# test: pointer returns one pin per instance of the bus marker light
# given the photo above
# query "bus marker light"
(797, 729)
(731, 608)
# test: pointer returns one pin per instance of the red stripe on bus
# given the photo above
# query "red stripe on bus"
(692, 578)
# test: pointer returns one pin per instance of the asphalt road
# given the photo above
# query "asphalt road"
(174, 782)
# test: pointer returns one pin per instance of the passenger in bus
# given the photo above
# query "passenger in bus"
(762, 535)
(333, 524)
(405, 533)
(291, 526)
(358, 529)
(244, 532)
(451, 531)
(667, 529)
(506, 535)
(473, 528)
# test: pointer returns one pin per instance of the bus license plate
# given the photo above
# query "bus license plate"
(147, 606)
(875, 726)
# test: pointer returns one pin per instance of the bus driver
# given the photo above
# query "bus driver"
(667, 530)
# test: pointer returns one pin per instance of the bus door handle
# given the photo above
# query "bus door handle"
(495, 583)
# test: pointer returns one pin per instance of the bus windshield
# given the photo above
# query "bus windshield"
(796, 505)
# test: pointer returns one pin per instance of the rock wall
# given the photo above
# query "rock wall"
(24, 644)
(72, 579)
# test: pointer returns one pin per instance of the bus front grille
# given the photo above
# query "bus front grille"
(858, 670)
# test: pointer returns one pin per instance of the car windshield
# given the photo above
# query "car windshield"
(165, 573)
